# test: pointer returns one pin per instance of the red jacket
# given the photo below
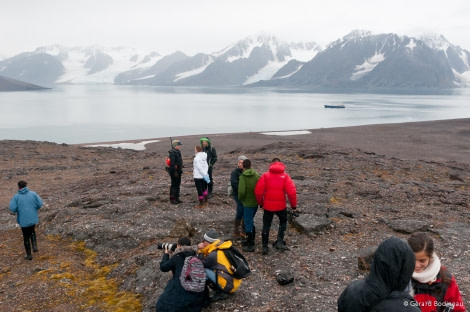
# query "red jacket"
(272, 187)
(427, 299)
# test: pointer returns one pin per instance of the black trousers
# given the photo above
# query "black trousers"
(268, 220)
(175, 187)
(201, 186)
(28, 232)
(211, 184)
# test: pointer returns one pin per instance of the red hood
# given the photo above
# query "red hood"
(277, 167)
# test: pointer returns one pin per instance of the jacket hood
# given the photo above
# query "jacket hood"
(277, 167)
(205, 139)
(24, 190)
(390, 273)
(392, 267)
(218, 244)
(185, 251)
(249, 172)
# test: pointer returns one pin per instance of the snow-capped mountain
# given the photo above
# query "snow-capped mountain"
(360, 60)
(247, 61)
(91, 65)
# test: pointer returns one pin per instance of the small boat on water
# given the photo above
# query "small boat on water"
(335, 106)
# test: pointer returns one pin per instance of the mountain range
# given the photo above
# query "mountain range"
(358, 61)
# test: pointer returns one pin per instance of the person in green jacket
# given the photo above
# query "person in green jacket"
(246, 194)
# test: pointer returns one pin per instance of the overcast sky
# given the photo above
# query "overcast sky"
(193, 26)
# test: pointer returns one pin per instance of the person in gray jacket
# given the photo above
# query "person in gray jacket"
(25, 204)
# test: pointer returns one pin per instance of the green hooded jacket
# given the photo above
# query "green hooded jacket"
(246, 187)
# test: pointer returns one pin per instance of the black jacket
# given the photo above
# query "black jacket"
(176, 162)
(383, 290)
(234, 178)
(211, 153)
(175, 298)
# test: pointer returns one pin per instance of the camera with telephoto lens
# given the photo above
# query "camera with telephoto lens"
(170, 246)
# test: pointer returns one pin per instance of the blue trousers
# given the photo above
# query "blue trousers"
(249, 218)
(239, 213)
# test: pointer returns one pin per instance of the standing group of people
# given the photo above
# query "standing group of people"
(269, 192)
(204, 159)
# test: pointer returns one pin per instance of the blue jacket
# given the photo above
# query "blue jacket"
(25, 204)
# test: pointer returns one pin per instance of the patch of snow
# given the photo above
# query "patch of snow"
(288, 75)
(367, 66)
(463, 79)
(435, 41)
(411, 45)
(135, 146)
(296, 132)
(464, 58)
(123, 60)
(303, 55)
(266, 72)
(194, 71)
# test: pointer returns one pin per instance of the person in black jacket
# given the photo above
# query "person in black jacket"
(211, 160)
(175, 298)
(383, 290)
(175, 169)
(239, 227)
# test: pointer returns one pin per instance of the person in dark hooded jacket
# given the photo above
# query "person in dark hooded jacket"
(383, 290)
(211, 160)
(175, 298)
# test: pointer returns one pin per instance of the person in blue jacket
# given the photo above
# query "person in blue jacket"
(25, 204)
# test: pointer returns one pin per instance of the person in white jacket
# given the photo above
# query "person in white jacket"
(201, 176)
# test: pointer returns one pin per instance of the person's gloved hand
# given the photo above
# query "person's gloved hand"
(206, 178)
(295, 214)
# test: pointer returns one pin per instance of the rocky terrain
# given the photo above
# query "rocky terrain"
(105, 209)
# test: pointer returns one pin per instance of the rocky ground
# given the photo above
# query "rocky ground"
(105, 210)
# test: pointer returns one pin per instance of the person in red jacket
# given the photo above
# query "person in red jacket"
(434, 287)
(270, 192)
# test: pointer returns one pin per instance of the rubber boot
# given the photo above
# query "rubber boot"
(280, 244)
(27, 246)
(265, 240)
(205, 195)
(33, 242)
(250, 245)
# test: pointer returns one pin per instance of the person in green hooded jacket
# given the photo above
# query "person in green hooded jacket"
(246, 194)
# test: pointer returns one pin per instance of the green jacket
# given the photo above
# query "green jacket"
(246, 187)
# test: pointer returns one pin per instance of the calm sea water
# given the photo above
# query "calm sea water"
(99, 113)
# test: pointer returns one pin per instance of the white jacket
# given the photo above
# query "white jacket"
(200, 165)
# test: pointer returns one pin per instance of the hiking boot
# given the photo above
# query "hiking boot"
(248, 248)
(179, 201)
(174, 202)
(265, 250)
(280, 245)
(200, 204)
(250, 244)
(219, 295)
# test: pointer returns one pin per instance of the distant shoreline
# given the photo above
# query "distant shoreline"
(439, 140)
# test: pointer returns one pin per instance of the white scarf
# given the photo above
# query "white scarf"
(429, 274)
